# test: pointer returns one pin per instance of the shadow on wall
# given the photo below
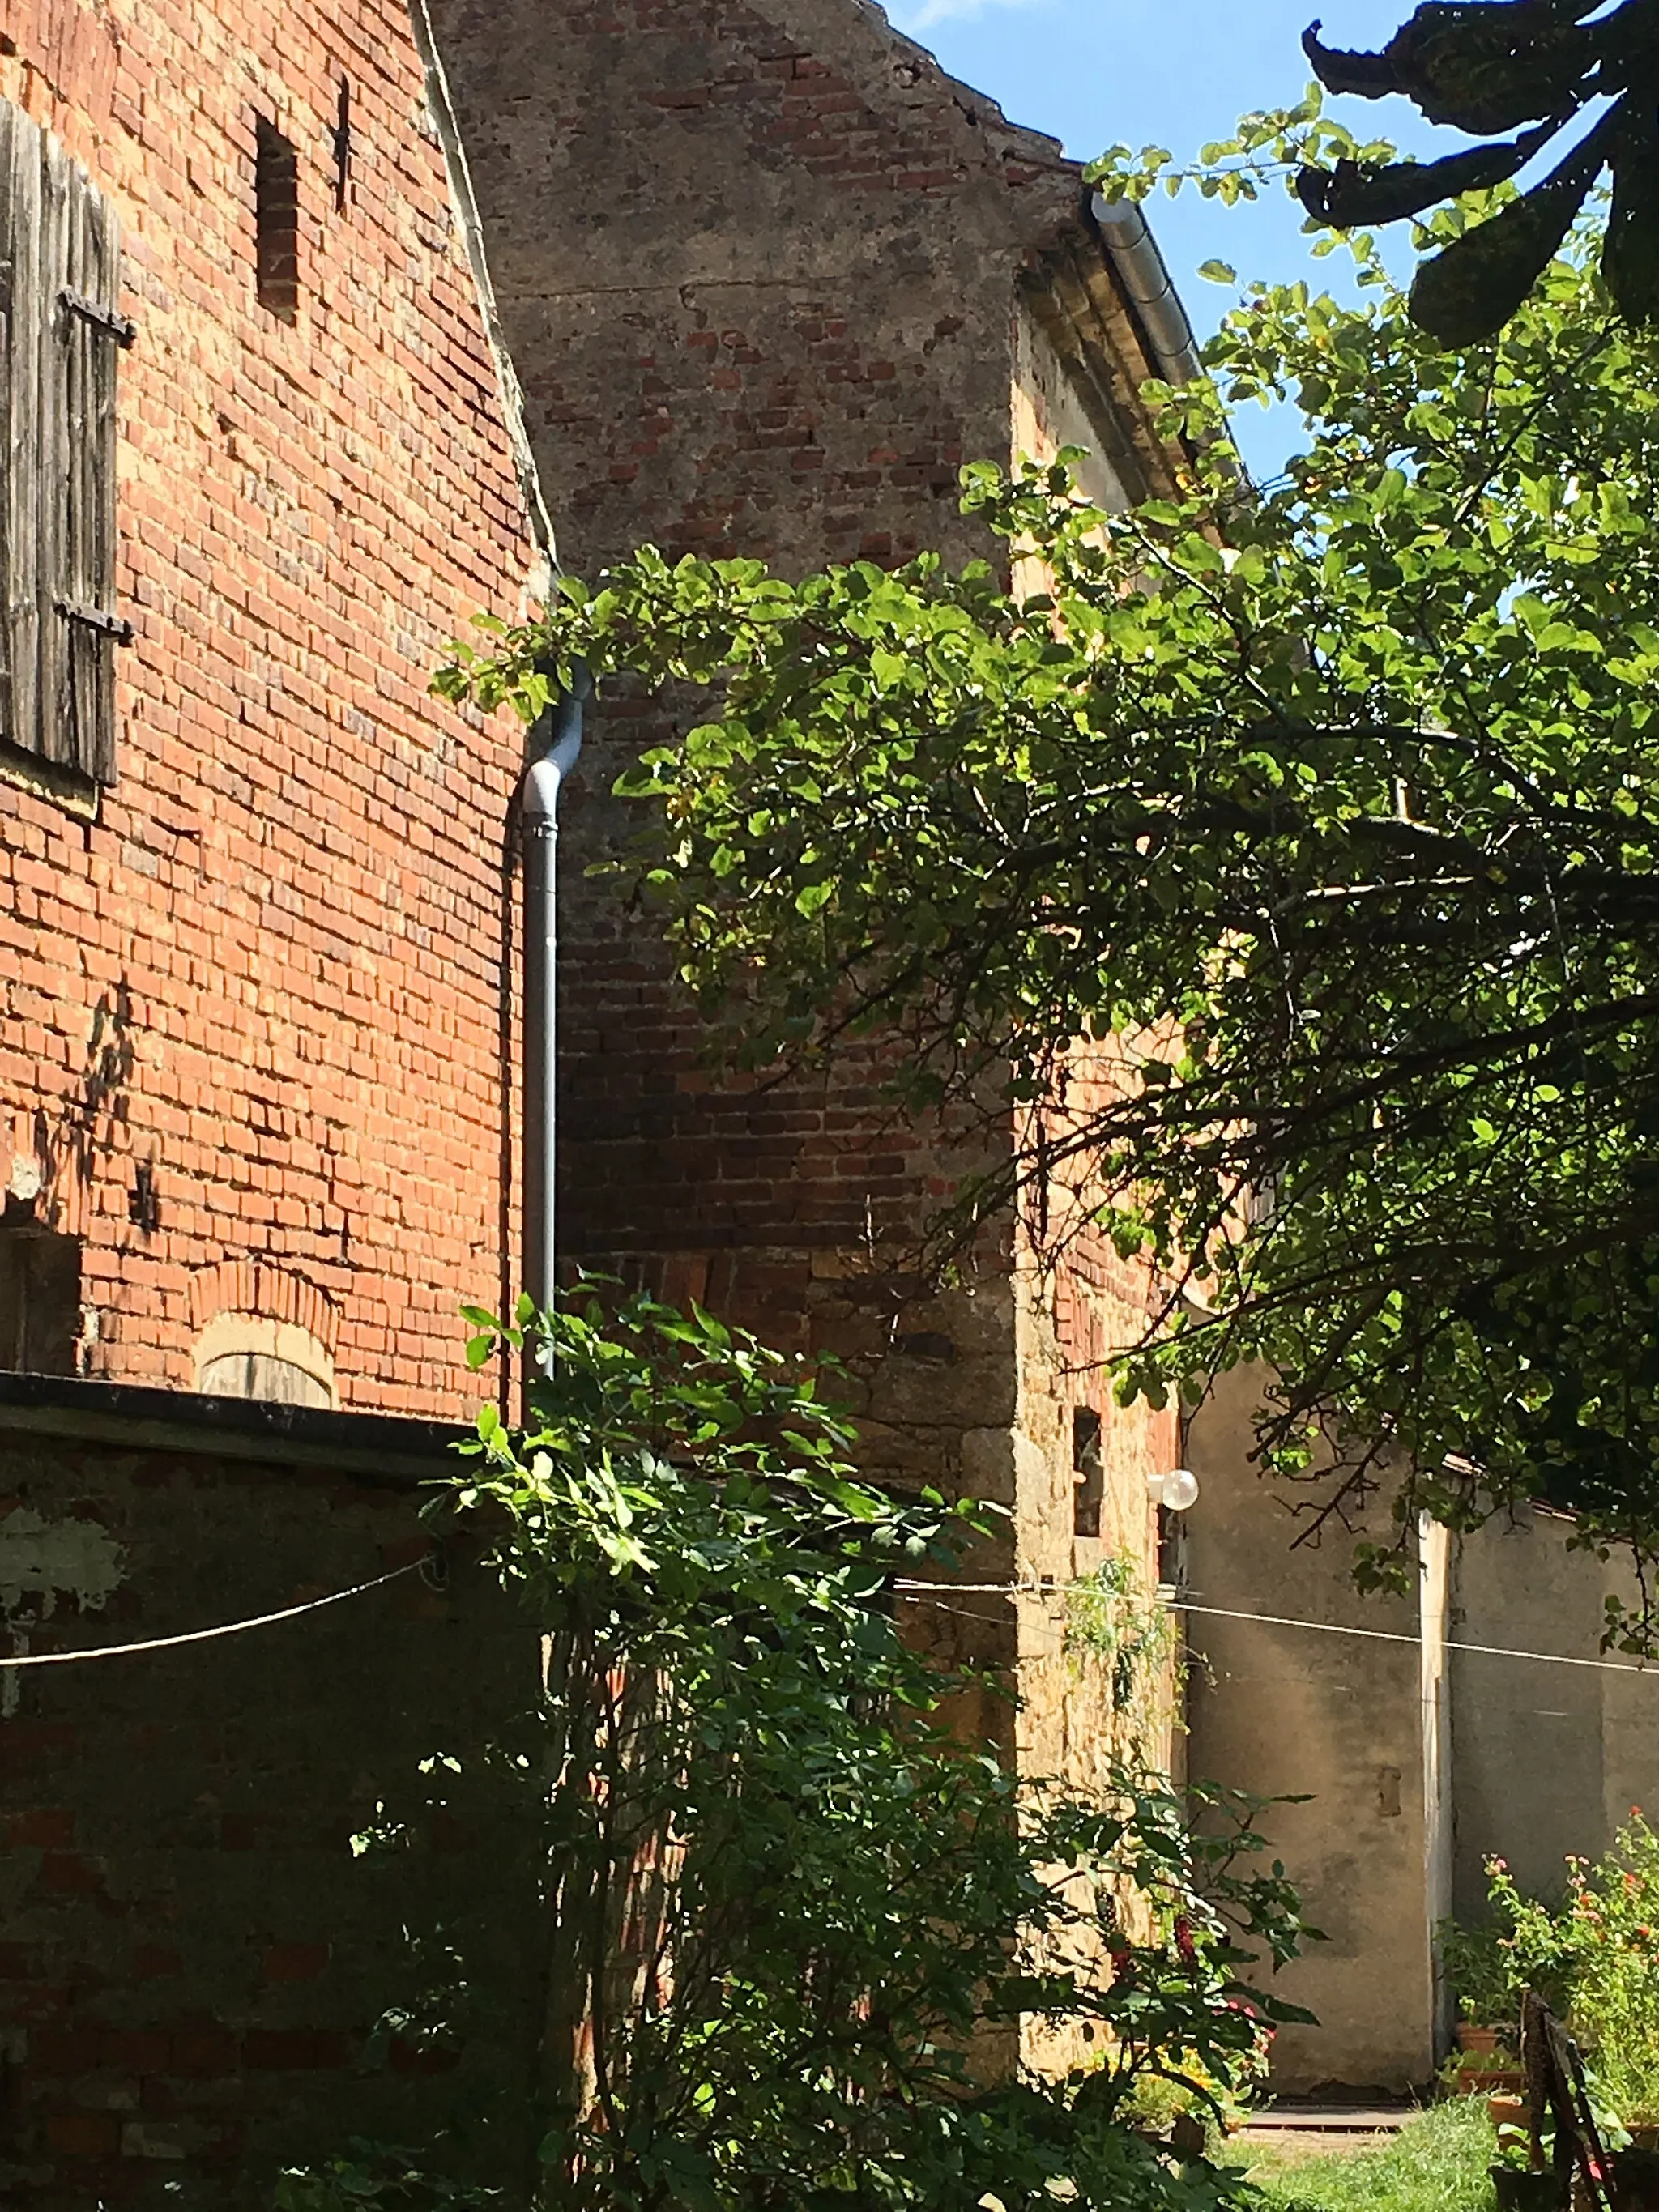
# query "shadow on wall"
(87, 1119)
(202, 1980)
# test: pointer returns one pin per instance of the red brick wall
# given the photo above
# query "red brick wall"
(193, 1962)
(757, 264)
(270, 969)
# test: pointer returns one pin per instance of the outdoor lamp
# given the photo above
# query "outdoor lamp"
(1177, 1491)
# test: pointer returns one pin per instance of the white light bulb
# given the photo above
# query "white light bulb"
(1180, 1489)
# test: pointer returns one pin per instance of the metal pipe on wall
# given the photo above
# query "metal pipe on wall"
(544, 782)
(546, 773)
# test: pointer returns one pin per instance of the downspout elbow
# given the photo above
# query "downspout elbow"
(547, 775)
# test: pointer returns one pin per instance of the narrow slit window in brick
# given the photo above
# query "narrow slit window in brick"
(277, 221)
(343, 149)
(1088, 1471)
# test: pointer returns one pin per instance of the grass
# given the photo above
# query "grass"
(1435, 2164)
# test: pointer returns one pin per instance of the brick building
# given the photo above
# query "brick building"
(768, 278)
(252, 1106)
(251, 1072)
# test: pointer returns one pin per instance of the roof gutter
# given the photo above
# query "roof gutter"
(1145, 278)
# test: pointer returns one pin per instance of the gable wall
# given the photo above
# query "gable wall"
(757, 266)
(264, 967)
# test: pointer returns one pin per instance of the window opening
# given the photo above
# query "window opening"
(260, 1375)
(276, 221)
(1088, 1472)
(143, 1199)
(1171, 1549)
(62, 336)
(343, 149)
(243, 1355)
(39, 1300)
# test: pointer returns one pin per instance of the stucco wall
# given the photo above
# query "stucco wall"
(1288, 1711)
(1548, 1760)
(1048, 414)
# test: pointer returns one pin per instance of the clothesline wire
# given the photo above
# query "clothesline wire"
(1281, 1620)
(906, 1587)
(208, 1635)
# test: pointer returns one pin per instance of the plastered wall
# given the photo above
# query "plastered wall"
(1337, 1720)
(1548, 1761)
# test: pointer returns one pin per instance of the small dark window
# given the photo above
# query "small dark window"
(343, 149)
(1171, 1548)
(40, 1301)
(277, 221)
(1088, 1471)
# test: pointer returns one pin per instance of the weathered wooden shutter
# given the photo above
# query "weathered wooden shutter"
(62, 336)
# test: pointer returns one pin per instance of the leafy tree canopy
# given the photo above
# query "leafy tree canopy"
(1577, 76)
(1334, 843)
(1534, 66)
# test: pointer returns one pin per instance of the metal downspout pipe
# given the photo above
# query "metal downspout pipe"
(546, 773)
(544, 782)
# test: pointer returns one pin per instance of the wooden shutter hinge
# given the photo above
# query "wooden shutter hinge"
(121, 328)
(95, 618)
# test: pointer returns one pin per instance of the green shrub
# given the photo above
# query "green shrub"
(1594, 1960)
(376, 2178)
(1482, 1970)
(1522, 1944)
(1612, 1914)
(790, 1924)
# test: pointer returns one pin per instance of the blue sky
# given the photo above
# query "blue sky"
(1173, 73)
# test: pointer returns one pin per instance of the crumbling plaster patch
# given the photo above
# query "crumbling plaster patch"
(51, 1560)
(45, 1560)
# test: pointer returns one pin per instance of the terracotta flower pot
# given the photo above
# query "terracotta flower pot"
(1479, 2042)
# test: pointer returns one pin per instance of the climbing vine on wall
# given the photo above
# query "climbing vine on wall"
(1116, 1624)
